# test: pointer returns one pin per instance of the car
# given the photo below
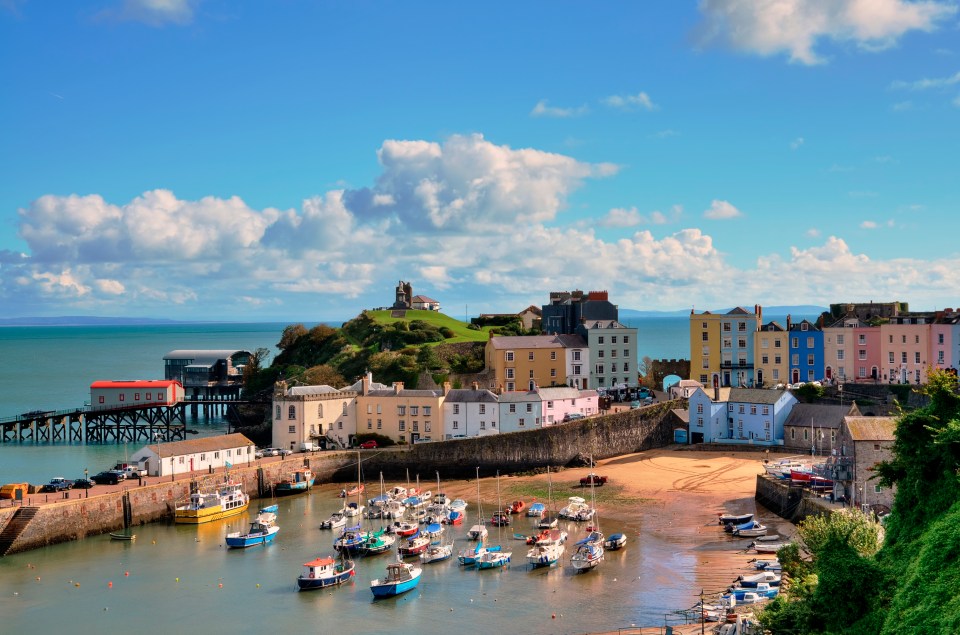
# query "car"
(369, 445)
(572, 416)
(284, 452)
(83, 483)
(57, 484)
(108, 477)
(643, 392)
(634, 404)
(270, 452)
(596, 479)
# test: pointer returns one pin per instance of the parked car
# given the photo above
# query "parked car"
(284, 452)
(83, 483)
(57, 484)
(643, 392)
(369, 445)
(634, 404)
(269, 452)
(108, 477)
(572, 416)
(596, 478)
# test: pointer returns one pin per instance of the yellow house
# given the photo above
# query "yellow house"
(722, 347)
(527, 362)
(306, 415)
(401, 414)
(771, 355)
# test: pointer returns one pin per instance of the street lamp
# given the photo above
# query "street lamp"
(86, 489)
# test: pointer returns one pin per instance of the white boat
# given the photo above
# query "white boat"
(324, 572)
(545, 555)
(436, 553)
(458, 505)
(575, 505)
(263, 529)
(753, 532)
(493, 557)
(536, 510)
(587, 556)
(337, 519)
(353, 509)
(615, 542)
(394, 509)
(397, 493)
(478, 531)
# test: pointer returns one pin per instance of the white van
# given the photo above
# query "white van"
(309, 446)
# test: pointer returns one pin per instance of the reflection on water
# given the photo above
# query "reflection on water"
(171, 577)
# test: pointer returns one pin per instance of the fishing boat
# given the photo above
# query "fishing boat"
(351, 540)
(400, 578)
(500, 518)
(536, 510)
(545, 555)
(226, 500)
(119, 536)
(478, 531)
(378, 542)
(324, 572)
(734, 519)
(437, 553)
(263, 529)
(414, 546)
(615, 542)
(299, 481)
(337, 519)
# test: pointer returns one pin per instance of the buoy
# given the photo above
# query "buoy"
(76, 584)
(178, 579)
(220, 585)
(109, 585)
(554, 616)
(126, 574)
(258, 585)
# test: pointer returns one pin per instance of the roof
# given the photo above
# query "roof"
(682, 414)
(603, 324)
(422, 298)
(560, 392)
(468, 395)
(319, 562)
(689, 383)
(311, 390)
(532, 309)
(204, 356)
(738, 311)
(755, 395)
(390, 392)
(134, 383)
(819, 415)
(772, 326)
(518, 396)
(502, 342)
(871, 428)
(203, 444)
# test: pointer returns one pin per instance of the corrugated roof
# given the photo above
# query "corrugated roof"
(203, 444)
(468, 395)
(871, 428)
(755, 395)
(822, 415)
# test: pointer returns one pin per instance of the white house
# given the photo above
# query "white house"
(313, 414)
(684, 389)
(205, 453)
(470, 412)
(520, 410)
(739, 415)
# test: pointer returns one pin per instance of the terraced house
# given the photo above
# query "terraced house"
(527, 362)
(404, 415)
(722, 347)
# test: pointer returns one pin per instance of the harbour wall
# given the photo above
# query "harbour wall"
(615, 434)
(791, 502)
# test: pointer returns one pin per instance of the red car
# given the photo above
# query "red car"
(595, 478)
(369, 445)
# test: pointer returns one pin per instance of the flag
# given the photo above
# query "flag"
(229, 465)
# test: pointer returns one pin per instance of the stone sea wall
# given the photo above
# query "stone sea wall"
(793, 503)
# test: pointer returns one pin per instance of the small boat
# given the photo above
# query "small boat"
(414, 546)
(453, 517)
(516, 507)
(353, 509)
(403, 529)
(224, 501)
(554, 537)
(337, 519)
(434, 532)
(548, 522)
(400, 578)
(458, 505)
(353, 491)
(750, 524)
(272, 509)
(501, 518)
(299, 481)
(536, 510)
(470, 555)
(768, 547)
(615, 542)
(436, 553)
(397, 492)
(119, 536)
(587, 556)
(734, 519)
(534, 539)
(394, 509)
(324, 572)
(592, 538)
(768, 577)
(762, 590)
(350, 540)
(756, 531)
(378, 542)
(490, 559)
(263, 530)
(545, 555)
(575, 505)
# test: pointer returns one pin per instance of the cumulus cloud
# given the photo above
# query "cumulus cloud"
(770, 27)
(721, 210)
(640, 101)
(544, 110)
(631, 217)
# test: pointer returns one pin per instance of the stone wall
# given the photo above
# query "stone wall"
(660, 368)
(791, 502)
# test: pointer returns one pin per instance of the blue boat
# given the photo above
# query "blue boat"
(536, 510)
(299, 481)
(324, 572)
(270, 509)
(762, 590)
(471, 556)
(262, 530)
(400, 578)
(351, 540)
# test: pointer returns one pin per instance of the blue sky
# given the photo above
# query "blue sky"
(291, 160)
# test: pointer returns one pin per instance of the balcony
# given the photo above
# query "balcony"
(737, 365)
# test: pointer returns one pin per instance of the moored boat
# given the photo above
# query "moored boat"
(734, 519)
(299, 481)
(350, 540)
(120, 536)
(336, 520)
(414, 546)
(436, 553)
(263, 529)
(490, 559)
(615, 542)
(378, 542)
(501, 518)
(324, 572)
(587, 556)
(536, 510)
(400, 578)
(226, 500)
(516, 507)
(575, 506)
(542, 555)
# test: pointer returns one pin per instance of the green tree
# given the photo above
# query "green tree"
(323, 375)
(290, 336)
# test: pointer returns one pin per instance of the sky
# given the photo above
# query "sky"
(293, 160)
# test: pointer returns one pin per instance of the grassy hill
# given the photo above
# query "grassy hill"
(439, 320)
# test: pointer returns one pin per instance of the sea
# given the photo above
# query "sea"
(182, 579)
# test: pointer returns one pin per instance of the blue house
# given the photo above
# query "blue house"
(749, 416)
(806, 351)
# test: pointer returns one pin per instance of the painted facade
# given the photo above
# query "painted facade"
(470, 413)
(313, 414)
(739, 415)
(770, 346)
(529, 361)
(612, 354)
(806, 351)
(520, 410)
(406, 416)
(722, 347)
(203, 454)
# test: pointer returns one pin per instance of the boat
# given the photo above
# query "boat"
(337, 519)
(516, 507)
(394, 509)
(434, 532)
(263, 529)
(398, 492)
(403, 528)
(273, 509)
(353, 491)
(224, 501)
(548, 522)
(119, 536)
(575, 505)
(458, 505)
(378, 542)
(535, 538)
(324, 572)
(500, 518)
(351, 540)
(437, 553)
(536, 510)
(414, 546)
(734, 519)
(471, 555)
(750, 524)
(353, 509)
(756, 531)
(453, 517)
(299, 481)
(541, 555)
(495, 558)
(615, 542)
(400, 578)
(767, 547)
(478, 531)
(555, 537)
(589, 550)
(762, 590)
(769, 577)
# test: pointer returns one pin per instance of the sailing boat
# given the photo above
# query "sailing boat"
(491, 559)
(589, 553)
(353, 539)
(440, 549)
(546, 552)
(478, 531)
(549, 518)
(470, 555)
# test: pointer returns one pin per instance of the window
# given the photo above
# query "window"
(877, 489)
(613, 368)
(379, 424)
(553, 372)
(510, 373)
(599, 353)
(531, 373)
(705, 337)
(764, 343)
(753, 409)
(203, 457)
(483, 425)
(916, 357)
(776, 373)
(904, 339)
(600, 340)
(529, 407)
(903, 357)
(426, 426)
(379, 409)
(809, 342)
(414, 411)
(764, 359)
(703, 325)
(292, 412)
(810, 376)
(916, 339)
(369, 408)
(613, 353)
(861, 339)
(810, 360)
(344, 407)
(599, 369)
(793, 433)
(891, 357)
(699, 422)
(416, 426)
(292, 429)
(862, 353)
(402, 410)
(513, 408)
(777, 359)
(766, 410)
(123, 396)
(729, 407)
(530, 356)
(455, 425)
(136, 396)
(742, 343)
(576, 356)
(626, 352)
(840, 339)
(576, 369)
(862, 371)
(613, 339)
(795, 360)
(276, 417)
(766, 424)
(939, 341)
(626, 339)
(553, 355)
(549, 405)
(794, 342)
(940, 357)
(703, 379)
(776, 343)
(626, 367)
(339, 425)
(426, 411)
(741, 326)
(402, 425)
(483, 408)
(320, 410)
(839, 354)
(509, 356)
(456, 408)
(511, 386)
(520, 422)
(742, 409)
(728, 342)
(369, 424)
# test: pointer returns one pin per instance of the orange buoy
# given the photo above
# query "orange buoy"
(126, 574)
(109, 585)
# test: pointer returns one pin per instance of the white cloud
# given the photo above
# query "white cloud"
(640, 101)
(813, 232)
(769, 27)
(796, 143)
(155, 12)
(620, 217)
(928, 83)
(543, 110)
(868, 224)
(721, 210)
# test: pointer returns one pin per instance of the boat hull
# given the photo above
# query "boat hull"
(310, 584)
(252, 540)
(206, 515)
(390, 589)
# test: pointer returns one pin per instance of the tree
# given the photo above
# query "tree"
(290, 336)
(323, 375)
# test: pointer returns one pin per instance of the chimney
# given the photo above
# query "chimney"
(397, 387)
(446, 388)
(365, 384)
(789, 321)
(475, 386)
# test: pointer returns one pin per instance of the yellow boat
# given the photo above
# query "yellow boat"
(227, 500)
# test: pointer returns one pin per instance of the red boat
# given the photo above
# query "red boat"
(532, 540)
(516, 507)
(353, 491)
(414, 546)
(403, 529)
(500, 519)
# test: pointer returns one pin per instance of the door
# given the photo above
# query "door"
(795, 376)
(759, 377)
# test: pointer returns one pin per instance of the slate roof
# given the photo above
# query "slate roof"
(468, 395)
(604, 324)
(311, 390)
(755, 395)
(530, 341)
(871, 428)
(559, 392)
(682, 414)
(203, 444)
(822, 415)
(772, 326)
(389, 392)
(519, 396)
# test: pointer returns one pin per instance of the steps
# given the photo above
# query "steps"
(15, 527)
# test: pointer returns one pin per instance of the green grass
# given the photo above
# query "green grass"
(463, 334)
